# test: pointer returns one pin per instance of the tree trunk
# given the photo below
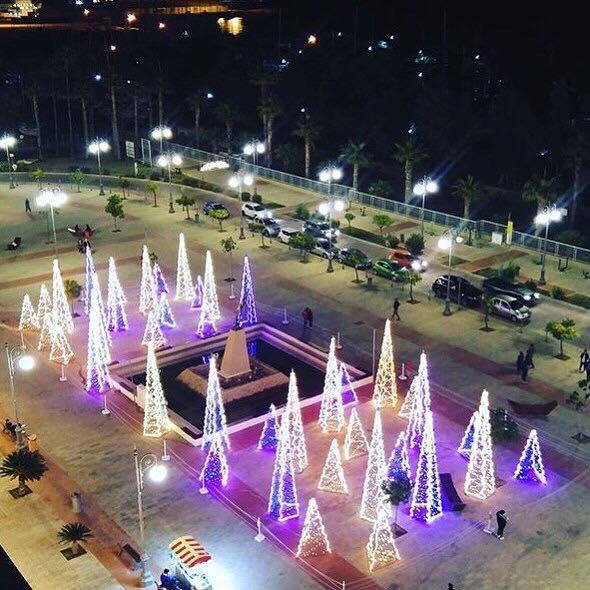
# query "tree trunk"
(228, 134)
(561, 348)
(21, 484)
(55, 126)
(355, 177)
(466, 209)
(85, 127)
(408, 181)
(35, 100)
(136, 121)
(150, 113)
(70, 126)
(576, 193)
(269, 133)
(160, 106)
(115, 126)
(307, 158)
(197, 126)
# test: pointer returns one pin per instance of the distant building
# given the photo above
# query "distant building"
(18, 9)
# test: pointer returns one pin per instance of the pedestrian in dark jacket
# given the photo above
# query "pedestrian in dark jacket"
(529, 356)
(584, 359)
(396, 305)
(307, 316)
(525, 371)
(502, 519)
(27, 206)
(519, 362)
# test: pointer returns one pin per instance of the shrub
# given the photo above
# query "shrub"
(531, 284)
(302, 212)
(415, 244)
(246, 196)
(558, 293)
(510, 271)
(579, 299)
(155, 176)
(257, 198)
(382, 220)
(391, 241)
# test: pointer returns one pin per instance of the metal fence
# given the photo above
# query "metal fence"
(480, 227)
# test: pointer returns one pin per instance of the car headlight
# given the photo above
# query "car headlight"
(424, 264)
(336, 232)
(537, 295)
(415, 265)
(527, 297)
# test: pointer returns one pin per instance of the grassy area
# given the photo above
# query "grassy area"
(580, 300)
(455, 260)
(362, 234)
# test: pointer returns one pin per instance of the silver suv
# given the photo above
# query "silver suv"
(510, 308)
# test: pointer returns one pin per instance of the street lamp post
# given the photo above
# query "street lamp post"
(253, 148)
(96, 147)
(166, 161)
(426, 186)
(157, 473)
(53, 198)
(160, 133)
(238, 181)
(546, 216)
(446, 243)
(328, 175)
(7, 142)
(25, 363)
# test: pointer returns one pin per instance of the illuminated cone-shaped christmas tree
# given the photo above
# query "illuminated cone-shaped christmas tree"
(373, 497)
(385, 389)
(46, 332)
(355, 443)
(198, 295)
(215, 421)
(90, 271)
(332, 478)
(28, 317)
(159, 280)
(283, 503)
(155, 413)
(44, 306)
(153, 333)
(421, 404)
(331, 409)
(97, 372)
(104, 334)
(426, 499)
(294, 425)
(184, 280)
(215, 470)
(467, 440)
(61, 351)
(406, 410)
(530, 465)
(270, 431)
(116, 316)
(348, 392)
(166, 316)
(210, 306)
(381, 548)
(147, 288)
(247, 315)
(61, 308)
(480, 480)
(399, 462)
(313, 540)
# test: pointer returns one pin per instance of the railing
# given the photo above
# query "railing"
(480, 227)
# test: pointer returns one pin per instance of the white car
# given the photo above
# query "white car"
(254, 211)
(287, 233)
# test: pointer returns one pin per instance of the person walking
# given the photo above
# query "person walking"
(529, 356)
(396, 305)
(524, 371)
(584, 359)
(502, 519)
(307, 316)
(28, 206)
(519, 362)
(310, 316)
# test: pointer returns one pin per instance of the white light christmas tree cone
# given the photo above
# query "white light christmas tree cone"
(44, 306)
(159, 279)
(385, 387)
(331, 408)
(61, 307)
(294, 423)
(153, 333)
(467, 440)
(90, 271)
(381, 548)
(215, 422)
(480, 481)
(530, 465)
(61, 351)
(399, 461)
(184, 281)
(147, 289)
(166, 317)
(332, 478)
(420, 405)
(28, 317)
(313, 540)
(247, 314)
(45, 334)
(355, 443)
(215, 470)
(210, 298)
(104, 322)
(155, 412)
(116, 316)
(373, 497)
(406, 410)
(348, 393)
(97, 372)
(198, 295)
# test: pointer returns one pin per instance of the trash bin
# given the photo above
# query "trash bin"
(32, 443)
(76, 502)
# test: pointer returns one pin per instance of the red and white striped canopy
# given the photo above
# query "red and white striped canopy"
(189, 551)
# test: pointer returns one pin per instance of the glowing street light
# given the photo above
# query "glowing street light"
(131, 18)
(7, 142)
(53, 198)
(97, 147)
(312, 40)
(329, 175)
(238, 181)
(254, 148)
(426, 186)
(25, 362)
(446, 242)
(160, 133)
(167, 161)
(546, 217)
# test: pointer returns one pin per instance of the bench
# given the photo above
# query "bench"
(451, 500)
(131, 552)
(532, 409)
(15, 244)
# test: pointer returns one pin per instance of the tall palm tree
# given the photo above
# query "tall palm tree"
(263, 80)
(541, 190)
(269, 109)
(114, 123)
(577, 154)
(308, 132)
(25, 466)
(287, 154)
(227, 113)
(33, 91)
(468, 190)
(408, 154)
(355, 153)
(195, 101)
(64, 59)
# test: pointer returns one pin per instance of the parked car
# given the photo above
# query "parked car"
(461, 288)
(324, 248)
(510, 308)
(271, 227)
(255, 211)
(389, 269)
(286, 233)
(209, 206)
(320, 229)
(346, 255)
(407, 260)
(528, 296)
